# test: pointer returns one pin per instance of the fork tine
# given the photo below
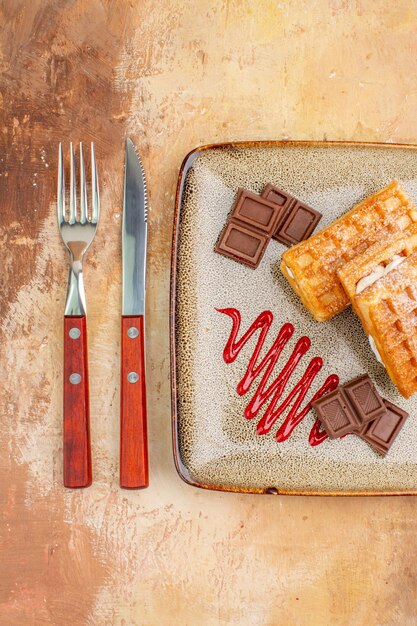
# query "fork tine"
(61, 187)
(94, 185)
(73, 192)
(83, 188)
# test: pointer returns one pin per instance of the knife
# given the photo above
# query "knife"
(133, 426)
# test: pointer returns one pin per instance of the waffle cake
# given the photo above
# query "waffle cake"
(377, 261)
(311, 266)
(388, 312)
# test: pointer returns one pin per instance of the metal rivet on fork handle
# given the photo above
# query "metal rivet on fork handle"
(75, 379)
(132, 332)
(74, 333)
(133, 377)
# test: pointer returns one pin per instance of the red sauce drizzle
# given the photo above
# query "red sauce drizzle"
(274, 390)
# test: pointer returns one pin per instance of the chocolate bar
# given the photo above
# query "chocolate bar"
(298, 220)
(382, 432)
(349, 407)
(249, 229)
(356, 407)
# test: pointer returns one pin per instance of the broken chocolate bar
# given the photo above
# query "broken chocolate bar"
(249, 229)
(298, 220)
(349, 407)
(381, 432)
(356, 407)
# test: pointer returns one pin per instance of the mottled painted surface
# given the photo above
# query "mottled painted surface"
(173, 74)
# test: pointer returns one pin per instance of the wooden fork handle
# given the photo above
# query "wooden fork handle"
(77, 448)
(133, 426)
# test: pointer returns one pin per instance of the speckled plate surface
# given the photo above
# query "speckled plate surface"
(215, 446)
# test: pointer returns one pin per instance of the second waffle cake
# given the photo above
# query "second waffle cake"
(388, 312)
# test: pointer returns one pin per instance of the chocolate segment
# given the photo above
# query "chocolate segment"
(282, 198)
(382, 432)
(242, 244)
(277, 195)
(298, 219)
(299, 224)
(249, 229)
(363, 394)
(256, 212)
(336, 414)
(349, 407)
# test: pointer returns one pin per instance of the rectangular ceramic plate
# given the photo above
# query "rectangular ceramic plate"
(215, 446)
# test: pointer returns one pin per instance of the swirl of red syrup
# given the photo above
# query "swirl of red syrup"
(275, 390)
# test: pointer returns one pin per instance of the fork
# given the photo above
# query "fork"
(77, 230)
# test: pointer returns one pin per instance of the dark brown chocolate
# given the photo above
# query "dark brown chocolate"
(249, 229)
(336, 414)
(299, 224)
(349, 407)
(280, 197)
(382, 432)
(256, 212)
(242, 244)
(298, 219)
(363, 394)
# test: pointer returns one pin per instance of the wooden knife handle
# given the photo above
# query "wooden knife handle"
(133, 426)
(77, 449)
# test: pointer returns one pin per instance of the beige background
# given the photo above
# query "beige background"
(173, 74)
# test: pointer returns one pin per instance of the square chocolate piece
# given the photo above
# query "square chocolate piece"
(256, 212)
(298, 219)
(249, 229)
(382, 432)
(298, 225)
(278, 196)
(242, 244)
(336, 414)
(363, 394)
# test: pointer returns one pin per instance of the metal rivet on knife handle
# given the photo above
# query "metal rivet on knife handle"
(132, 332)
(74, 333)
(75, 379)
(133, 377)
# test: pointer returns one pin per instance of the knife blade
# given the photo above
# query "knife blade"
(133, 418)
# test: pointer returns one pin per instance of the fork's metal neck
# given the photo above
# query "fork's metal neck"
(75, 304)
